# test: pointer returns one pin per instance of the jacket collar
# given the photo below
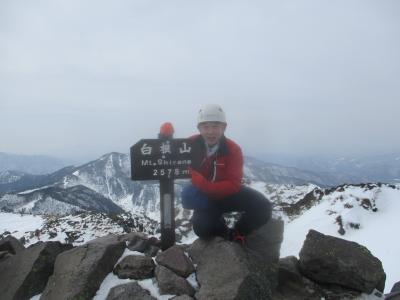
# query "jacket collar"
(222, 149)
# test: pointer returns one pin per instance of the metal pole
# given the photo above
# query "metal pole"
(167, 213)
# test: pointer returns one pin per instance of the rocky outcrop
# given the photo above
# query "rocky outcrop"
(226, 270)
(11, 244)
(129, 291)
(328, 267)
(25, 274)
(79, 272)
(293, 285)
(175, 259)
(171, 283)
(141, 243)
(332, 260)
(394, 292)
(135, 267)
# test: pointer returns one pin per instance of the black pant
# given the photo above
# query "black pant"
(255, 208)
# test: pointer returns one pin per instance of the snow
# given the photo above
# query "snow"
(19, 224)
(126, 203)
(29, 191)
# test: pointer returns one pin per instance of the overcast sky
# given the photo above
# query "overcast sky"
(83, 78)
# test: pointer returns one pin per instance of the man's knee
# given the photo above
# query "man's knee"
(202, 226)
(261, 207)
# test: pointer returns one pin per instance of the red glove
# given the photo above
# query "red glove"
(198, 180)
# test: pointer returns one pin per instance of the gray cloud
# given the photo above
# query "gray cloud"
(84, 78)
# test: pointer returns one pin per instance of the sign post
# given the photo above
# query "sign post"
(163, 159)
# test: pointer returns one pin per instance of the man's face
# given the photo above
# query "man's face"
(211, 131)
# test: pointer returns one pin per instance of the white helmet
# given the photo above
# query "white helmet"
(211, 113)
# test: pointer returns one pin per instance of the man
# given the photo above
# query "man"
(216, 185)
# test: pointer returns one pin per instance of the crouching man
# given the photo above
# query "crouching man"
(216, 182)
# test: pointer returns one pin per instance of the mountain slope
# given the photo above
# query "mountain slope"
(58, 201)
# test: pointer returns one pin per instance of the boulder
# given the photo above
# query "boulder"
(394, 292)
(182, 297)
(175, 259)
(396, 287)
(11, 244)
(78, 273)
(226, 270)
(330, 260)
(170, 283)
(4, 255)
(25, 274)
(141, 243)
(135, 267)
(129, 291)
(294, 286)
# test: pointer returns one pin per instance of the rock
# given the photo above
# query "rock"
(225, 270)
(394, 292)
(135, 267)
(170, 283)
(294, 286)
(141, 243)
(175, 259)
(4, 255)
(396, 287)
(331, 260)
(129, 291)
(79, 272)
(25, 274)
(11, 244)
(182, 297)
(289, 271)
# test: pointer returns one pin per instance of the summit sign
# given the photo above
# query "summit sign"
(157, 159)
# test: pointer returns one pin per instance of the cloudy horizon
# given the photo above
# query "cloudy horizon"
(80, 79)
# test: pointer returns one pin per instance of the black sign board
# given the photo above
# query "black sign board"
(164, 160)
(156, 159)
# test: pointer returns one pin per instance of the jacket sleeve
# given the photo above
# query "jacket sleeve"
(232, 181)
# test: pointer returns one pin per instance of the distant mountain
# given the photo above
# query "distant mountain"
(32, 164)
(16, 181)
(109, 176)
(58, 201)
(345, 169)
(258, 170)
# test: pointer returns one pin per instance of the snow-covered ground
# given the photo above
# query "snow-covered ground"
(17, 224)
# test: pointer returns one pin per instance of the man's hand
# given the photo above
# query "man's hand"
(198, 180)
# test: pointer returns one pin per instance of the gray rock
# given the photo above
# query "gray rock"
(11, 244)
(294, 286)
(170, 283)
(25, 274)
(141, 243)
(331, 260)
(396, 287)
(4, 255)
(79, 272)
(226, 270)
(129, 291)
(394, 292)
(182, 297)
(174, 258)
(135, 267)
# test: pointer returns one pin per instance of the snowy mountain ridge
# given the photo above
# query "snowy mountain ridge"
(110, 176)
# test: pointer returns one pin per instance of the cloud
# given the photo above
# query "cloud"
(92, 77)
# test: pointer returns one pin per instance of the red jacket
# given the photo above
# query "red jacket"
(223, 171)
